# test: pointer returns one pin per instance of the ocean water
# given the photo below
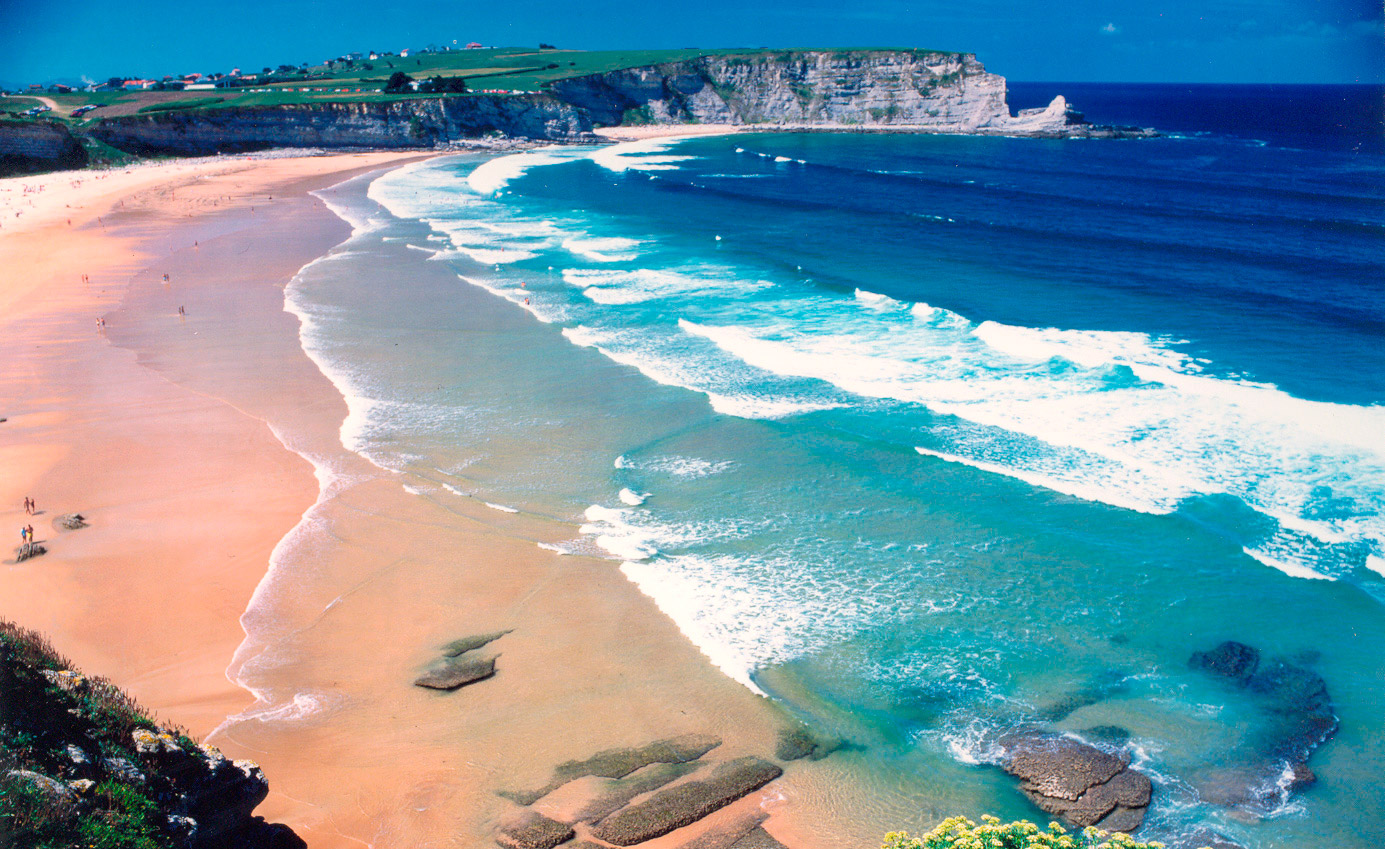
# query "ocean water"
(931, 437)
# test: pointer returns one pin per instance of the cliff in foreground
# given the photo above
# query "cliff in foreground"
(82, 765)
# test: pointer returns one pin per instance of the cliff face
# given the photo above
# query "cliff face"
(82, 764)
(941, 92)
(396, 124)
(37, 145)
(833, 89)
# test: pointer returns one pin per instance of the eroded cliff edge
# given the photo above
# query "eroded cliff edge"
(928, 91)
(879, 90)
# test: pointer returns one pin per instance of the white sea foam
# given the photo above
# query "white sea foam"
(633, 286)
(495, 174)
(603, 249)
(497, 256)
(874, 301)
(501, 507)
(747, 406)
(680, 599)
(545, 312)
(615, 534)
(1121, 418)
(632, 498)
(643, 155)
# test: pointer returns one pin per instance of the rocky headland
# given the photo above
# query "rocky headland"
(82, 764)
(802, 90)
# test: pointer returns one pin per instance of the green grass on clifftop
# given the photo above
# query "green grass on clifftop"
(500, 69)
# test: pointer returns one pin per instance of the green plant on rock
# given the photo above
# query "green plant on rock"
(991, 833)
(637, 117)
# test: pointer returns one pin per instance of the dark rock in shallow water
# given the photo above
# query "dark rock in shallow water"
(618, 763)
(619, 791)
(686, 803)
(69, 522)
(532, 830)
(1108, 734)
(1203, 838)
(1122, 819)
(798, 742)
(1058, 767)
(1231, 659)
(466, 644)
(457, 672)
(1296, 717)
(1081, 783)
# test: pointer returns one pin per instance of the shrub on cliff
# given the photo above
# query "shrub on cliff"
(83, 765)
(991, 833)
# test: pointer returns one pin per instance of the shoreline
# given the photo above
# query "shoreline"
(233, 388)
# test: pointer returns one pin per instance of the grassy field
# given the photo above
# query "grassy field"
(503, 69)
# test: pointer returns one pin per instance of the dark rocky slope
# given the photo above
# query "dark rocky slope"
(81, 764)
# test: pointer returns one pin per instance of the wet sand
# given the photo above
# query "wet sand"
(169, 433)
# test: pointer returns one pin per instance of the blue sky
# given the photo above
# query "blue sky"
(1069, 40)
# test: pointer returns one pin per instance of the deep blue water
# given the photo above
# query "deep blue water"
(925, 435)
(1313, 117)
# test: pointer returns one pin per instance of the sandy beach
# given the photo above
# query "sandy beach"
(192, 433)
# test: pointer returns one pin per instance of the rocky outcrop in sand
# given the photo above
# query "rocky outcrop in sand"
(29, 551)
(631, 795)
(683, 804)
(618, 763)
(70, 522)
(458, 667)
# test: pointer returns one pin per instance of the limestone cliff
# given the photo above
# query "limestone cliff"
(37, 146)
(417, 123)
(905, 90)
(900, 89)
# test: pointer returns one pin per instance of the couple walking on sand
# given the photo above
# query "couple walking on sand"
(29, 506)
(26, 534)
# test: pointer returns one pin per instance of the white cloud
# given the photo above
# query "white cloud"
(1110, 29)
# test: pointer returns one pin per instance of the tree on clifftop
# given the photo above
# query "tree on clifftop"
(398, 82)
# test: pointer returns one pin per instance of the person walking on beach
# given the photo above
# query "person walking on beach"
(30, 531)
(23, 535)
(181, 311)
(28, 505)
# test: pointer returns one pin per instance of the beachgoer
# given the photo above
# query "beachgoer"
(23, 534)
(30, 529)
(181, 311)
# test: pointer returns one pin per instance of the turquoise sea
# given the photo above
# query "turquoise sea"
(933, 437)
